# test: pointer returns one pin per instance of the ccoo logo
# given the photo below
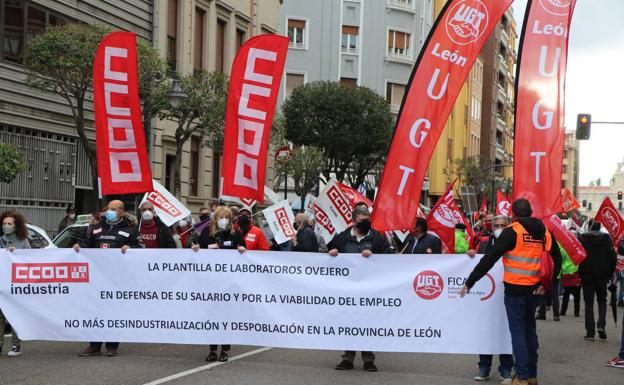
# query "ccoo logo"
(467, 21)
(556, 7)
(428, 285)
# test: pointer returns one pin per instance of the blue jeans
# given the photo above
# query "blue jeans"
(521, 318)
(506, 363)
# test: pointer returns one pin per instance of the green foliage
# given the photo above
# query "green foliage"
(11, 163)
(304, 167)
(468, 172)
(351, 125)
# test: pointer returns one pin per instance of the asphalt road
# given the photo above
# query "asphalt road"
(565, 359)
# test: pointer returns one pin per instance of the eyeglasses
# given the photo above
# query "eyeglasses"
(499, 226)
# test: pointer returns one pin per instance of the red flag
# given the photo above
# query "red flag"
(443, 218)
(568, 201)
(539, 134)
(484, 209)
(444, 63)
(123, 164)
(611, 219)
(254, 85)
(503, 206)
(568, 241)
(354, 196)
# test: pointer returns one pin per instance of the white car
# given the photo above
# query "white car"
(38, 238)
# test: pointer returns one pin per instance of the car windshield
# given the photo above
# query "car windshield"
(70, 236)
(36, 240)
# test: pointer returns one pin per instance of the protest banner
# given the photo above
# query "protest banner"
(280, 219)
(295, 300)
(167, 207)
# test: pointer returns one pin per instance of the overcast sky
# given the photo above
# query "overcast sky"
(595, 82)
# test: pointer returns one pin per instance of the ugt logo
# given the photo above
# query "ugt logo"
(556, 7)
(428, 285)
(467, 21)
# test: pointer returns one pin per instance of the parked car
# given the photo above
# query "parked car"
(71, 235)
(38, 238)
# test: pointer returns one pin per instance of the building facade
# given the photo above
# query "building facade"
(591, 197)
(570, 171)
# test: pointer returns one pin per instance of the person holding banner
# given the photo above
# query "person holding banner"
(153, 232)
(254, 237)
(359, 239)
(306, 240)
(115, 231)
(421, 242)
(13, 235)
(522, 247)
(221, 234)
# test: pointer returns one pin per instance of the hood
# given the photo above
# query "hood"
(596, 238)
(533, 226)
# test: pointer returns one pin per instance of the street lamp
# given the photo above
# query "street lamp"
(176, 95)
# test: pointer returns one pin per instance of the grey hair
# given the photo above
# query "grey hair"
(360, 210)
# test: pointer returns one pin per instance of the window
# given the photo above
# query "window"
(349, 39)
(296, 33)
(449, 149)
(220, 62)
(169, 171)
(198, 40)
(476, 109)
(394, 94)
(293, 81)
(36, 23)
(399, 44)
(240, 38)
(401, 3)
(172, 34)
(348, 82)
(498, 166)
(194, 182)
(565, 169)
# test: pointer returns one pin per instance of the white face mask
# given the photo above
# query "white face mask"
(183, 223)
(497, 233)
(147, 215)
(223, 223)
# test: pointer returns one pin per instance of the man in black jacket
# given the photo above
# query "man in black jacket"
(113, 232)
(596, 270)
(153, 232)
(522, 246)
(306, 239)
(421, 242)
(361, 239)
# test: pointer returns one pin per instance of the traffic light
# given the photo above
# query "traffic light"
(584, 202)
(619, 195)
(583, 126)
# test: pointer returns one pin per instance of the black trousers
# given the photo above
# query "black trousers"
(576, 293)
(225, 348)
(595, 287)
(349, 355)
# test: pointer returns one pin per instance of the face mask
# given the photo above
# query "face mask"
(203, 217)
(147, 215)
(111, 215)
(363, 226)
(223, 223)
(244, 220)
(497, 233)
(296, 225)
(183, 223)
(72, 216)
(8, 229)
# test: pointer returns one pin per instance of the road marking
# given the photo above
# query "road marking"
(206, 367)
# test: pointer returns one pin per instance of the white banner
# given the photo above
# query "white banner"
(332, 211)
(280, 219)
(167, 207)
(292, 300)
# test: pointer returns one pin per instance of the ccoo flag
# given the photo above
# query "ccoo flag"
(539, 133)
(438, 76)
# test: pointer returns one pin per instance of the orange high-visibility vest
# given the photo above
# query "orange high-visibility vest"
(522, 264)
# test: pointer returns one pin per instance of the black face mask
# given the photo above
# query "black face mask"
(296, 225)
(203, 217)
(244, 221)
(363, 226)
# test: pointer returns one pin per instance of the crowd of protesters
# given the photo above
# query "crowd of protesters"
(520, 241)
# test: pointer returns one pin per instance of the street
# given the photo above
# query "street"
(566, 359)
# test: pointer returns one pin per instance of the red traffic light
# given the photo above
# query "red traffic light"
(619, 195)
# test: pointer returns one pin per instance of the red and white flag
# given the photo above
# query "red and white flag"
(254, 84)
(503, 206)
(568, 201)
(167, 207)
(354, 196)
(438, 76)
(121, 150)
(280, 219)
(611, 220)
(332, 211)
(442, 220)
(539, 132)
(483, 210)
(568, 241)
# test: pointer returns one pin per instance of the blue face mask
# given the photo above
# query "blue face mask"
(111, 215)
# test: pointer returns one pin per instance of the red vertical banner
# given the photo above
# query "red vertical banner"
(539, 133)
(123, 164)
(439, 74)
(254, 84)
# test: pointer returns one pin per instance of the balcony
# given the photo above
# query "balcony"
(350, 50)
(502, 94)
(399, 55)
(500, 121)
(296, 45)
(402, 5)
(504, 36)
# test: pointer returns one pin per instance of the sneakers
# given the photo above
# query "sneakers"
(369, 366)
(505, 378)
(15, 351)
(212, 357)
(112, 352)
(602, 335)
(90, 352)
(589, 337)
(616, 362)
(484, 375)
(223, 357)
(344, 365)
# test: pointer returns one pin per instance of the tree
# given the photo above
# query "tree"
(202, 113)
(60, 61)
(304, 166)
(351, 125)
(11, 163)
(468, 172)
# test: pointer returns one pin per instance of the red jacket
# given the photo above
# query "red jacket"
(255, 239)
